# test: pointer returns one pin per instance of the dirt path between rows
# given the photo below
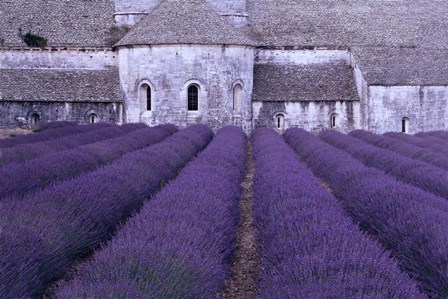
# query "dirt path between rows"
(243, 279)
(7, 133)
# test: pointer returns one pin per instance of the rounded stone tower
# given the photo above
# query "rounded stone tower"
(234, 10)
(129, 12)
(184, 64)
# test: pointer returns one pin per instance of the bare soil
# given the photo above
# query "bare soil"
(7, 133)
(243, 279)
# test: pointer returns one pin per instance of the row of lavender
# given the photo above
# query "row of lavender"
(421, 141)
(25, 152)
(310, 248)
(49, 135)
(180, 244)
(415, 172)
(21, 178)
(425, 152)
(408, 221)
(44, 233)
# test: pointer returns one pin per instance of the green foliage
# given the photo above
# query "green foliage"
(33, 40)
(116, 33)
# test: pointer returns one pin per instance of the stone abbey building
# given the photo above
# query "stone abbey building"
(342, 64)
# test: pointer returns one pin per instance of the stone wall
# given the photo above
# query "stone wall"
(363, 92)
(18, 114)
(59, 84)
(426, 107)
(169, 70)
(229, 7)
(311, 116)
(302, 56)
(58, 58)
(129, 12)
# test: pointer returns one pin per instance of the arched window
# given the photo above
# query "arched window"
(280, 121)
(405, 125)
(193, 98)
(145, 98)
(93, 118)
(237, 93)
(333, 120)
(35, 119)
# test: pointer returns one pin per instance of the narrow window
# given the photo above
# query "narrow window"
(148, 98)
(280, 121)
(405, 125)
(92, 118)
(193, 98)
(145, 98)
(237, 91)
(333, 120)
(35, 119)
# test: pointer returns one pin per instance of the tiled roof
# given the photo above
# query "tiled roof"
(351, 22)
(185, 22)
(304, 83)
(77, 23)
(59, 85)
(402, 66)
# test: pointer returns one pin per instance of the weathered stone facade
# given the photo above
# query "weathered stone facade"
(170, 70)
(20, 114)
(280, 64)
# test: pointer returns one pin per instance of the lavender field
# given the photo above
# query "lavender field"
(107, 211)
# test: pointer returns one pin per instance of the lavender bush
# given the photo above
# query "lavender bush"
(436, 136)
(408, 221)
(43, 234)
(20, 178)
(310, 248)
(414, 172)
(49, 135)
(25, 152)
(418, 141)
(54, 125)
(180, 244)
(401, 147)
(439, 134)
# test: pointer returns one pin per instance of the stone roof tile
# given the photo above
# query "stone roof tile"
(60, 85)
(335, 23)
(185, 22)
(77, 23)
(293, 83)
(402, 66)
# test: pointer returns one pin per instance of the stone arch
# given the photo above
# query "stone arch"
(237, 92)
(33, 117)
(235, 82)
(279, 120)
(201, 94)
(91, 116)
(140, 82)
(145, 91)
(333, 118)
(196, 81)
